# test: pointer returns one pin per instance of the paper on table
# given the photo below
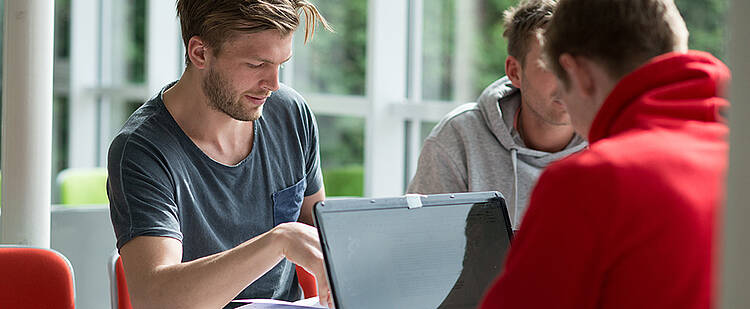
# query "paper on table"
(280, 304)
(313, 302)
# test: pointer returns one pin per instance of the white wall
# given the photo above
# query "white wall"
(85, 236)
(735, 283)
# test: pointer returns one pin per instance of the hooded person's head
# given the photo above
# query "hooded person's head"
(589, 45)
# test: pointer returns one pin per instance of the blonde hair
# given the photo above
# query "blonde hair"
(522, 22)
(216, 21)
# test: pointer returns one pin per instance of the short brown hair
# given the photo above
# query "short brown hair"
(216, 21)
(521, 23)
(621, 35)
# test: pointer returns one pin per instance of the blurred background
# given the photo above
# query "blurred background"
(102, 73)
(377, 85)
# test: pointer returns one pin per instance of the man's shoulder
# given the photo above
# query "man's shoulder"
(613, 161)
(588, 166)
(149, 114)
(286, 98)
(467, 112)
(149, 127)
(464, 117)
(634, 149)
(285, 105)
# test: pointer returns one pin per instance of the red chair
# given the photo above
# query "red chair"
(307, 282)
(118, 288)
(35, 278)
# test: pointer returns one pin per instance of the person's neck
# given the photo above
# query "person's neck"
(221, 137)
(541, 135)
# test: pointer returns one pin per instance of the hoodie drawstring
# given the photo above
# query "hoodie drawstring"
(514, 161)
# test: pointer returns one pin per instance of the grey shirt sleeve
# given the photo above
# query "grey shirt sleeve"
(141, 193)
(437, 172)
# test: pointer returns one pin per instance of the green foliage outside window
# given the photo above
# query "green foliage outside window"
(704, 19)
(336, 63)
(438, 47)
(136, 47)
(491, 47)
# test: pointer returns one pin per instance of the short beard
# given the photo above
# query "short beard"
(222, 99)
(547, 118)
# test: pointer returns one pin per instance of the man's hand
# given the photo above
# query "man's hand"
(302, 246)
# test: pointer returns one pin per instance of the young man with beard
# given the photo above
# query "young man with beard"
(208, 179)
(630, 222)
(517, 127)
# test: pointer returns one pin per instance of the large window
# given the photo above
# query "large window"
(441, 53)
(332, 65)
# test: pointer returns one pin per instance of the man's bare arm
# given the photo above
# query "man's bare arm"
(157, 279)
(306, 212)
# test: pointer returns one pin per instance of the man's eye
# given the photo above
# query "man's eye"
(255, 66)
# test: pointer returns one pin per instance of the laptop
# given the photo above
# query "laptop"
(414, 251)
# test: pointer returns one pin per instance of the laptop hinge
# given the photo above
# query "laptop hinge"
(414, 200)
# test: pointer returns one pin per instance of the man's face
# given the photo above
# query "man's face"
(238, 80)
(576, 105)
(539, 89)
(589, 85)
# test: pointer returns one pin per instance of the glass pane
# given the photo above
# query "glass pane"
(426, 128)
(61, 86)
(437, 50)
(59, 134)
(62, 29)
(705, 20)
(333, 63)
(342, 143)
(119, 113)
(491, 46)
(136, 41)
(444, 78)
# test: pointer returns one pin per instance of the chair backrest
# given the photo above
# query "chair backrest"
(83, 186)
(307, 283)
(35, 278)
(118, 288)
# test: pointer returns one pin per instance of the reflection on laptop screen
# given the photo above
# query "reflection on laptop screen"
(381, 254)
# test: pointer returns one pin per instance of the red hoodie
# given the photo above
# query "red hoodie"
(630, 222)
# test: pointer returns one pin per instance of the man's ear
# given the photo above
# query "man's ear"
(197, 52)
(513, 70)
(578, 72)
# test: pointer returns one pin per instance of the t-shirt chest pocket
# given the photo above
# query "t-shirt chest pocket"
(287, 203)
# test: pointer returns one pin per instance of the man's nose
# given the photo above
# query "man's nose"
(271, 81)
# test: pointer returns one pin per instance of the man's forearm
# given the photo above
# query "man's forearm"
(208, 282)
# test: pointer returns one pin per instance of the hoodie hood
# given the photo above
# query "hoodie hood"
(666, 91)
(498, 104)
(476, 148)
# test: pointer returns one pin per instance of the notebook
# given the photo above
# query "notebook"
(415, 251)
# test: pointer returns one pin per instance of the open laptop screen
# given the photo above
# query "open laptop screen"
(443, 253)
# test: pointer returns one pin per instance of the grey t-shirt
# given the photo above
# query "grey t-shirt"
(161, 184)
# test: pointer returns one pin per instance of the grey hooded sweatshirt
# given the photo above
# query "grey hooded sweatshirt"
(476, 148)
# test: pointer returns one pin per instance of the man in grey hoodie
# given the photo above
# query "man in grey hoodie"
(517, 127)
